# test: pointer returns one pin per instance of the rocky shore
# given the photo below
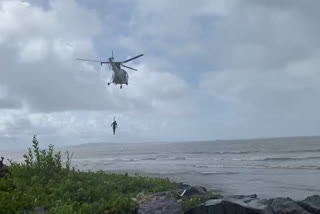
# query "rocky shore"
(217, 204)
(160, 203)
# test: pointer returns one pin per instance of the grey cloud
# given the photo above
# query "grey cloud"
(66, 101)
(265, 53)
(173, 30)
(266, 34)
(9, 103)
(263, 79)
(41, 71)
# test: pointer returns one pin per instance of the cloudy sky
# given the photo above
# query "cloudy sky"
(213, 69)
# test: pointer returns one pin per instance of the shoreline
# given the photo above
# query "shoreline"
(184, 198)
(229, 183)
(295, 192)
(187, 186)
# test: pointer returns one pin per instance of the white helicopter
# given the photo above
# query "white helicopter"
(119, 75)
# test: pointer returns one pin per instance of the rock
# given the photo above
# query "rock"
(36, 210)
(286, 206)
(233, 206)
(39, 210)
(4, 169)
(162, 206)
(214, 196)
(182, 186)
(141, 198)
(254, 206)
(161, 194)
(193, 191)
(1, 162)
(210, 206)
(243, 196)
(311, 204)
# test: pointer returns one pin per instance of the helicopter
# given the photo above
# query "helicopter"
(119, 76)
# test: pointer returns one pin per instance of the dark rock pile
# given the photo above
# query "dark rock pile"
(253, 205)
(312, 204)
(168, 206)
(168, 203)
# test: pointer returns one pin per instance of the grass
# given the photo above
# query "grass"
(188, 203)
(45, 180)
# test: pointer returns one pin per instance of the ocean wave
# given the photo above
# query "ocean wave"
(292, 167)
(299, 151)
(268, 158)
(224, 152)
(200, 166)
(112, 160)
(215, 159)
(131, 159)
(219, 173)
(148, 158)
(287, 158)
(254, 151)
(313, 167)
(178, 158)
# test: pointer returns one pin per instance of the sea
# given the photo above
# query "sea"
(277, 167)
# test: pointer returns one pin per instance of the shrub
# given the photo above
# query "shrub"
(44, 180)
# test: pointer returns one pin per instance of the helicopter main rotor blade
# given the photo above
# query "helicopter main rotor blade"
(132, 58)
(89, 60)
(128, 67)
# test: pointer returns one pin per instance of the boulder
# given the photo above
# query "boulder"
(142, 198)
(162, 206)
(211, 206)
(243, 196)
(182, 186)
(36, 210)
(4, 169)
(39, 210)
(247, 206)
(194, 191)
(286, 206)
(311, 204)
(161, 194)
(233, 205)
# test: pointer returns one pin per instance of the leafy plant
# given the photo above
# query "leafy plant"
(188, 203)
(44, 180)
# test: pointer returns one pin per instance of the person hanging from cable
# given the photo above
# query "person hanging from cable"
(114, 126)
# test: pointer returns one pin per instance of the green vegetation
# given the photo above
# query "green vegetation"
(188, 203)
(44, 180)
